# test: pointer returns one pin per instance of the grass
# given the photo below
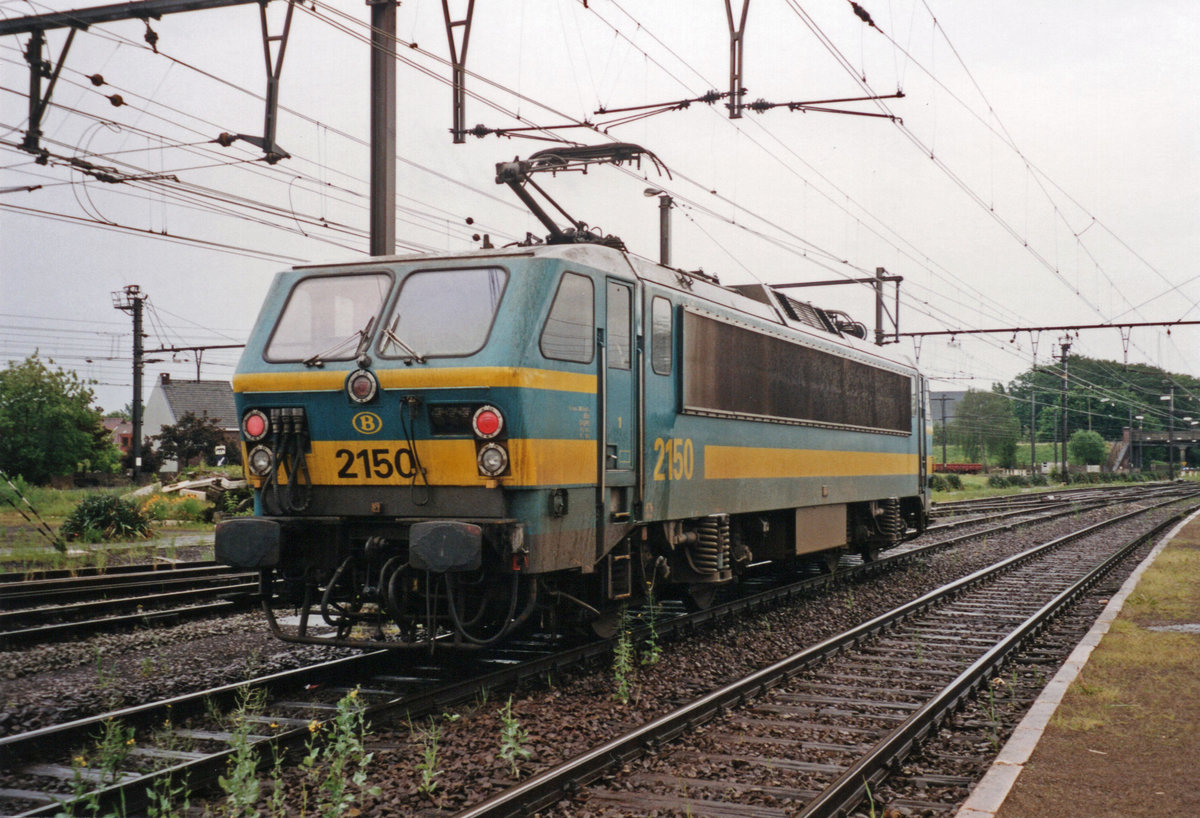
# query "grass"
(1140, 682)
(975, 486)
(25, 548)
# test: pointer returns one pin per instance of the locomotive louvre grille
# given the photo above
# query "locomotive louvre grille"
(806, 313)
(742, 372)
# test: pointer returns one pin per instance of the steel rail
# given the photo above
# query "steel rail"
(35, 742)
(108, 571)
(88, 588)
(42, 633)
(131, 791)
(851, 787)
(551, 785)
(1059, 493)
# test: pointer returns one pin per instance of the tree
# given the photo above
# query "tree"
(48, 425)
(985, 426)
(1087, 448)
(190, 437)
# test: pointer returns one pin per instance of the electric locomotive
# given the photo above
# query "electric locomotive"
(444, 448)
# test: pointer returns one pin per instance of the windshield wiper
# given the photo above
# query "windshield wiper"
(360, 335)
(389, 335)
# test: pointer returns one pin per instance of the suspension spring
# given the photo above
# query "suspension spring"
(711, 551)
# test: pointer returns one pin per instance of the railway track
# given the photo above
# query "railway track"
(65, 605)
(1036, 499)
(421, 689)
(56, 607)
(816, 733)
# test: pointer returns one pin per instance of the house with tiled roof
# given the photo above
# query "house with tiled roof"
(171, 399)
(120, 431)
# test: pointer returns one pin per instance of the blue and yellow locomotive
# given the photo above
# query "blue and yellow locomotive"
(445, 448)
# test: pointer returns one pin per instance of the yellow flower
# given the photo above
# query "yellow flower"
(354, 693)
(129, 743)
(274, 724)
(81, 761)
(314, 726)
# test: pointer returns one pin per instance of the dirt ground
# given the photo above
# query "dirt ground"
(1125, 742)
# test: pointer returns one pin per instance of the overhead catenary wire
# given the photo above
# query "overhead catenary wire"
(834, 254)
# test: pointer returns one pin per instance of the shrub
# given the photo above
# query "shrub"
(105, 517)
(954, 482)
(175, 507)
(997, 481)
(1039, 480)
(938, 483)
(1018, 480)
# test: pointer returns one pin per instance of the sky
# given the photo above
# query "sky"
(1041, 168)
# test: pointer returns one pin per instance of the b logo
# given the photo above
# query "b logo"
(367, 423)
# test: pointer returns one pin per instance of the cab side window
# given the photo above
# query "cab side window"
(570, 331)
(661, 347)
(619, 333)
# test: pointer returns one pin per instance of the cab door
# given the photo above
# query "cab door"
(617, 480)
(619, 385)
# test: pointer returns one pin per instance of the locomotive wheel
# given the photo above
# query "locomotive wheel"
(869, 553)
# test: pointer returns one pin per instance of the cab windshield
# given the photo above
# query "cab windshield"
(326, 317)
(442, 313)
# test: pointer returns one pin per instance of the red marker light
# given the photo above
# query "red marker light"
(487, 422)
(254, 425)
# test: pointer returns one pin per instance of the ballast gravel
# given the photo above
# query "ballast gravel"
(561, 716)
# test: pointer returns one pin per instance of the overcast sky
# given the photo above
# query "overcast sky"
(1042, 169)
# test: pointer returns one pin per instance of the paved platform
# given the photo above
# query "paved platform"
(1116, 749)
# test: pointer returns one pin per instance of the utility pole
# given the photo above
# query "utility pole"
(665, 203)
(383, 87)
(736, 45)
(942, 400)
(383, 127)
(130, 300)
(664, 230)
(1032, 431)
(1170, 433)
(879, 271)
(1064, 347)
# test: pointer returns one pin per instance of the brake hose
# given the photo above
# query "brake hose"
(418, 469)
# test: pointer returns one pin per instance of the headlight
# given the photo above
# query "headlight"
(487, 422)
(260, 461)
(492, 460)
(255, 425)
(362, 385)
